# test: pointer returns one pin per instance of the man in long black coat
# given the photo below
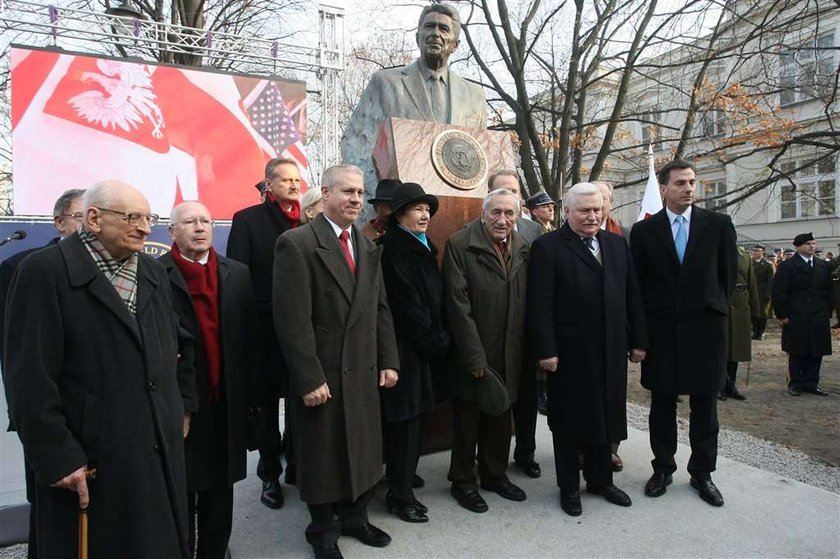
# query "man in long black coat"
(686, 261)
(253, 233)
(585, 317)
(91, 368)
(214, 301)
(802, 302)
(336, 331)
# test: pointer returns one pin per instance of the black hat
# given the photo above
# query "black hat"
(412, 193)
(538, 199)
(758, 247)
(384, 190)
(802, 238)
(789, 251)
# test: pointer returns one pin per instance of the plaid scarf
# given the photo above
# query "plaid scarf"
(122, 275)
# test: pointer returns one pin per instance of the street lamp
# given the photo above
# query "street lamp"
(125, 8)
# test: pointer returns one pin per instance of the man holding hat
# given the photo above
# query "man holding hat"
(381, 203)
(542, 209)
(763, 272)
(802, 302)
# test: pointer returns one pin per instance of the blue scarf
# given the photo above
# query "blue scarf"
(419, 236)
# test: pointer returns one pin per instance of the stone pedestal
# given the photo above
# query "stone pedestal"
(403, 150)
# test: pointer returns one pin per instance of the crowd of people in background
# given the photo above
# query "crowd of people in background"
(138, 386)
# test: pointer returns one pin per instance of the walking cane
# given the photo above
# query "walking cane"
(83, 522)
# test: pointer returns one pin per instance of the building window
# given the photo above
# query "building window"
(649, 121)
(815, 190)
(807, 72)
(714, 195)
(714, 122)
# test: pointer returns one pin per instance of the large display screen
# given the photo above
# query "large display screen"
(175, 133)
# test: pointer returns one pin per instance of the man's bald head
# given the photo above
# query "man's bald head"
(118, 214)
(191, 228)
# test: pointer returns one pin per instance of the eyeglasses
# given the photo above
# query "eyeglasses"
(193, 221)
(133, 218)
(77, 215)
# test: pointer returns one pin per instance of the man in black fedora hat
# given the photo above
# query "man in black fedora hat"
(802, 302)
(381, 203)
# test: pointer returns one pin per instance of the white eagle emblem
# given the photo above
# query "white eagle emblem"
(127, 99)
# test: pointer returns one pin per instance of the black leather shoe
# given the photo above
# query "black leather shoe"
(793, 391)
(368, 535)
(611, 493)
(818, 391)
(404, 510)
(469, 499)
(570, 503)
(722, 396)
(529, 467)
(735, 395)
(272, 494)
(658, 484)
(505, 489)
(328, 551)
(419, 506)
(417, 482)
(542, 403)
(708, 492)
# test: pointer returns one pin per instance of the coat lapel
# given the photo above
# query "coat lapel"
(663, 230)
(577, 246)
(480, 243)
(367, 266)
(82, 271)
(176, 278)
(329, 252)
(695, 230)
(412, 79)
(147, 284)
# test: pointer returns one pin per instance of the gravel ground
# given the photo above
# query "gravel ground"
(759, 453)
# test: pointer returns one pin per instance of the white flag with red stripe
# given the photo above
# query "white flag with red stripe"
(652, 201)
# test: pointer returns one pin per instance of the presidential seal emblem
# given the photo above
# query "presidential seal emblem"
(459, 159)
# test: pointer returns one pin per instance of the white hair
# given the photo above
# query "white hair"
(331, 175)
(581, 189)
(499, 192)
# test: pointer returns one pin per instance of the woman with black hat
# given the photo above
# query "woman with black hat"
(414, 285)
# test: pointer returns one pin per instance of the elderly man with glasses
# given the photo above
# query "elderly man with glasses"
(95, 386)
(214, 300)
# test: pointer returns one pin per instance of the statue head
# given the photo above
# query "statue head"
(438, 31)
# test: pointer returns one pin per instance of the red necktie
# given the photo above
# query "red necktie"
(344, 237)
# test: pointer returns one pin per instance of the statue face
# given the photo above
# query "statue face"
(436, 37)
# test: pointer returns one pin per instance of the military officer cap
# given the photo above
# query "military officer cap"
(538, 199)
(758, 247)
(789, 251)
(802, 238)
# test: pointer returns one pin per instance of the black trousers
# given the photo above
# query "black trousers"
(597, 469)
(525, 416)
(491, 435)
(703, 433)
(759, 326)
(402, 451)
(212, 510)
(329, 518)
(269, 466)
(804, 371)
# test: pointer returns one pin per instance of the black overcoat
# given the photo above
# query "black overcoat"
(414, 285)
(803, 295)
(253, 233)
(686, 305)
(589, 315)
(334, 328)
(91, 385)
(240, 343)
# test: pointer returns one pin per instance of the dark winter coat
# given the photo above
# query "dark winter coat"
(485, 307)
(334, 328)
(686, 305)
(253, 233)
(803, 295)
(89, 384)
(764, 284)
(589, 315)
(414, 285)
(743, 307)
(240, 343)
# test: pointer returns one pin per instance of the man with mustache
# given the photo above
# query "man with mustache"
(424, 90)
(686, 260)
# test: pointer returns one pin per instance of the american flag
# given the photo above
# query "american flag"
(272, 119)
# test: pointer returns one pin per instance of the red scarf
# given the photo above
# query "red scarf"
(292, 214)
(203, 287)
(613, 226)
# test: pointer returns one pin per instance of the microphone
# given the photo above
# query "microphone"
(16, 236)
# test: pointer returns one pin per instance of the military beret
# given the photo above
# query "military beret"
(538, 199)
(802, 238)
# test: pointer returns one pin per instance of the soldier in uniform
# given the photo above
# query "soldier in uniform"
(743, 305)
(763, 272)
(835, 282)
